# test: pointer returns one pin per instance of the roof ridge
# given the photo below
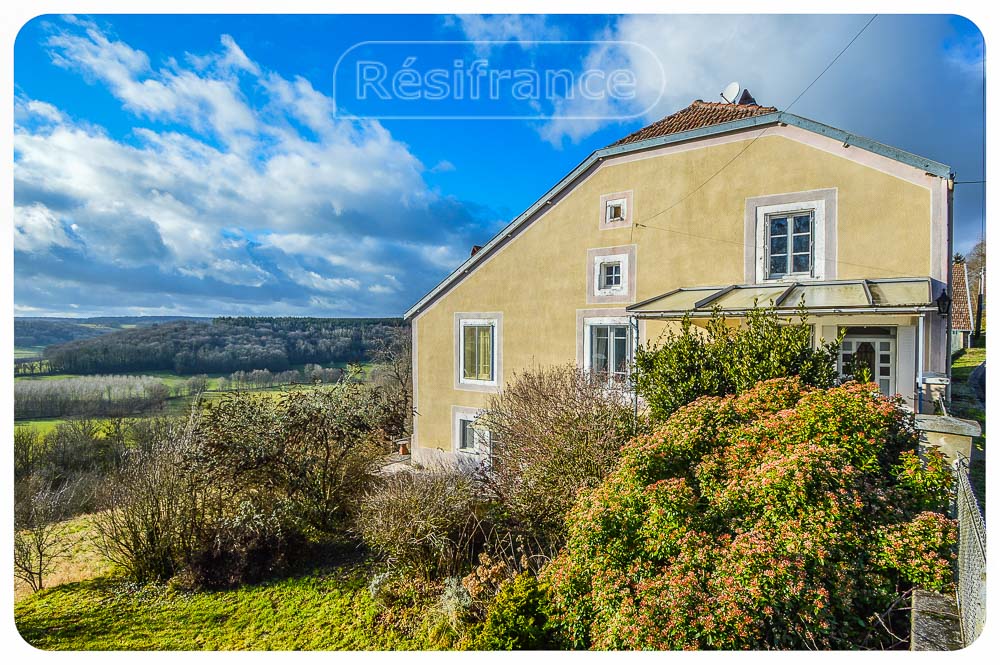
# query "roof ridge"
(695, 115)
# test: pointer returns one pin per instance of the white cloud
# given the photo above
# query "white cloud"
(696, 56)
(505, 27)
(36, 228)
(209, 101)
(281, 196)
(444, 166)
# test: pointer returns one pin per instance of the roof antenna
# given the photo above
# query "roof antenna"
(729, 94)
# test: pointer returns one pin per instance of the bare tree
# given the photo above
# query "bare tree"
(39, 533)
(394, 364)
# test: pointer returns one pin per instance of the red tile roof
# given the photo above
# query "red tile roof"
(699, 114)
(961, 305)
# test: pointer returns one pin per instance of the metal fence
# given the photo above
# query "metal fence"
(971, 590)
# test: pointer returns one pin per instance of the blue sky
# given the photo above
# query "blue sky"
(195, 164)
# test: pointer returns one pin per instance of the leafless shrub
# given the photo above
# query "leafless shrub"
(151, 510)
(427, 523)
(554, 432)
(39, 531)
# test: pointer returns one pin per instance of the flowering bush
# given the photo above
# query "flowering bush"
(785, 517)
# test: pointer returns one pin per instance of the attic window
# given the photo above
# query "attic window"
(615, 211)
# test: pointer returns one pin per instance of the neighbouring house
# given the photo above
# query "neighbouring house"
(718, 205)
(961, 307)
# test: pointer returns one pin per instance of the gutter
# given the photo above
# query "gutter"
(677, 314)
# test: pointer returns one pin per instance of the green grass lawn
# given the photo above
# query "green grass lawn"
(965, 405)
(328, 609)
(43, 425)
(28, 351)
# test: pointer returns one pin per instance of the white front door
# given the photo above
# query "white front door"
(877, 354)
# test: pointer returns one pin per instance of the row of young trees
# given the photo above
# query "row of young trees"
(88, 396)
(222, 346)
(262, 378)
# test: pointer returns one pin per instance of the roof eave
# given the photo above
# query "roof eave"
(927, 165)
(786, 311)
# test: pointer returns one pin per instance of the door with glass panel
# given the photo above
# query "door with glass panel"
(609, 351)
(874, 354)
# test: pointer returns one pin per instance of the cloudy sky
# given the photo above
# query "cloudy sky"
(200, 165)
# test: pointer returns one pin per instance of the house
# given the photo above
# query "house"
(717, 205)
(961, 307)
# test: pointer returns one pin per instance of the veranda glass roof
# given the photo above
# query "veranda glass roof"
(900, 295)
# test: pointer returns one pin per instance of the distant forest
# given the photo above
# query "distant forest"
(45, 331)
(225, 344)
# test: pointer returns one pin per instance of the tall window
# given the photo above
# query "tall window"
(790, 244)
(609, 350)
(477, 352)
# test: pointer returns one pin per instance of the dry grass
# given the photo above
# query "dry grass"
(84, 562)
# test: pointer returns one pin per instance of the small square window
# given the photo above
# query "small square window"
(615, 211)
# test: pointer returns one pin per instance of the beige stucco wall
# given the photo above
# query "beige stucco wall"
(538, 279)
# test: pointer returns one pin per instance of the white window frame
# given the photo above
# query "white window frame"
(762, 244)
(606, 273)
(630, 341)
(876, 341)
(461, 414)
(622, 289)
(624, 199)
(469, 323)
(610, 203)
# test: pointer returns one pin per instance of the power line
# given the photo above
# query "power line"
(761, 133)
(832, 62)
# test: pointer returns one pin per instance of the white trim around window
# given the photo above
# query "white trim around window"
(821, 204)
(608, 203)
(463, 423)
(613, 324)
(817, 210)
(493, 321)
(600, 258)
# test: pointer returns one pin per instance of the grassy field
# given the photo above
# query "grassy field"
(83, 563)
(964, 404)
(326, 609)
(169, 378)
(28, 351)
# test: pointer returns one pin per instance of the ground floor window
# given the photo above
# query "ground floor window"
(869, 353)
(470, 436)
(609, 348)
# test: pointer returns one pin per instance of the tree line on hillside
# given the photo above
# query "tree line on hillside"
(45, 331)
(224, 345)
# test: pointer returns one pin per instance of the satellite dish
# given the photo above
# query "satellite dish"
(729, 94)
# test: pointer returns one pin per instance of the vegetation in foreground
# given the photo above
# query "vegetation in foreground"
(331, 609)
(787, 516)
(965, 404)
